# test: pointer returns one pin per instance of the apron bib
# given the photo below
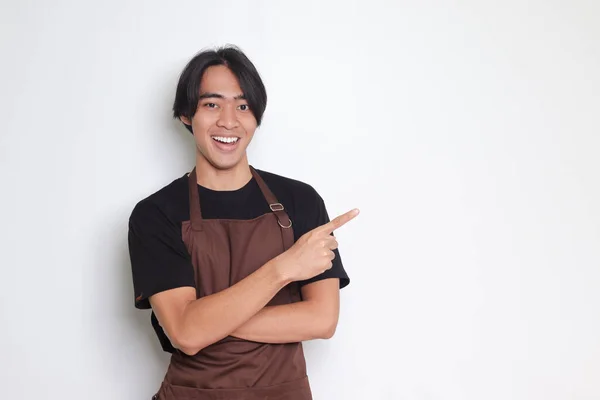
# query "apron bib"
(223, 252)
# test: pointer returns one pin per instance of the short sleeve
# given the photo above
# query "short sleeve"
(159, 259)
(317, 215)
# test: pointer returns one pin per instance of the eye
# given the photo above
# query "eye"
(210, 105)
(244, 107)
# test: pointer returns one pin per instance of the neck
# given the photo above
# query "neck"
(222, 179)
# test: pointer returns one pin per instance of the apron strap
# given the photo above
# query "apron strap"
(195, 211)
(276, 207)
(283, 218)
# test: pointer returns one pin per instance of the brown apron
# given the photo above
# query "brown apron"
(224, 252)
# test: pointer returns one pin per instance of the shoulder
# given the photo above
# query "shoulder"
(290, 189)
(168, 203)
(302, 201)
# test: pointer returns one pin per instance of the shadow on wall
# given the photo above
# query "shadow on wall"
(125, 351)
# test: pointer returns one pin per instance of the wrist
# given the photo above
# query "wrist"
(279, 271)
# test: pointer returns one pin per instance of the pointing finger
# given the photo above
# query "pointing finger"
(338, 222)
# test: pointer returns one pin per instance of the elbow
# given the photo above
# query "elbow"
(329, 332)
(188, 350)
(327, 329)
(187, 346)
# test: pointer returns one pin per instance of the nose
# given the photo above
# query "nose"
(227, 118)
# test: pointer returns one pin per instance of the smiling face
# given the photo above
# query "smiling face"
(223, 125)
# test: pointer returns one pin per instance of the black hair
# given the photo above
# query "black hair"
(188, 88)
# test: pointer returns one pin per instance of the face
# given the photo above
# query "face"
(223, 124)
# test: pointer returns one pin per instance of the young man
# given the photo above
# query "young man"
(238, 265)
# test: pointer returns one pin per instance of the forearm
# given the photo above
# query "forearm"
(288, 323)
(211, 318)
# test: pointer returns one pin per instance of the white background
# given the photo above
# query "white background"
(468, 133)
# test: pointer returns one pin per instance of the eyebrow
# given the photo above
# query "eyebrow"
(210, 95)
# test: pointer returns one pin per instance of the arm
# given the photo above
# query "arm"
(163, 279)
(192, 324)
(315, 317)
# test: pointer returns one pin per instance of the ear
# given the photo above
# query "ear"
(185, 120)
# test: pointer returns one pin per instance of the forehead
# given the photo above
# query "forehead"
(219, 79)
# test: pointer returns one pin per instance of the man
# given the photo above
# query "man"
(238, 265)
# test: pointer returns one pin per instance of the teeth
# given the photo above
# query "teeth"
(223, 139)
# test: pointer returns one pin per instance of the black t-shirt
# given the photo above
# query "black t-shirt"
(159, 258)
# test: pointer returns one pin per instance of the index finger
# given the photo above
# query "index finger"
(338, 222)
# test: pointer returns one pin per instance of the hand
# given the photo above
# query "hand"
(313, 253)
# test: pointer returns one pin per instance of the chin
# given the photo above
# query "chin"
(222, 164)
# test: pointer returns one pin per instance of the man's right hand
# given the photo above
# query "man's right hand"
(313, 254)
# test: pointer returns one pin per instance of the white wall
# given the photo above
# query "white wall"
(467, 132)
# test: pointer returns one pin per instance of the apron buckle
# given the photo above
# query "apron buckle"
(276, 207)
